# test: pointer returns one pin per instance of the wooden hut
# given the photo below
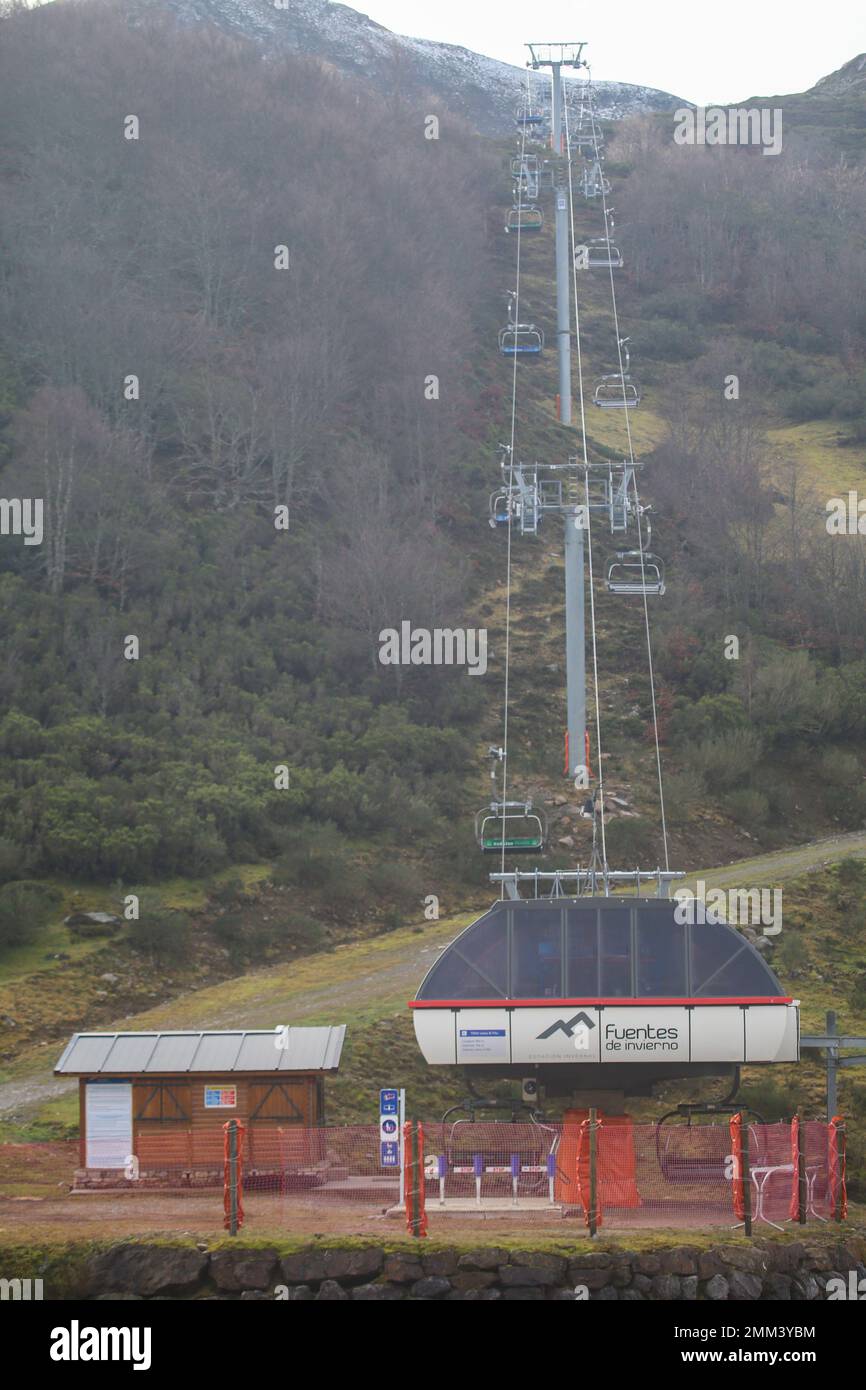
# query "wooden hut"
(157, 1103)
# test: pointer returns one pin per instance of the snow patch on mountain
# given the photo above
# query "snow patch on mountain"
(483, 90)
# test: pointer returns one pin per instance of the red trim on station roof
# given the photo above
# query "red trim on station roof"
(591, 1003)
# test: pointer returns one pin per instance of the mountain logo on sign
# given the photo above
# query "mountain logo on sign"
(580, 1024)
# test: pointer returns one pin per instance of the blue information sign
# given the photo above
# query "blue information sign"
(389, 1128)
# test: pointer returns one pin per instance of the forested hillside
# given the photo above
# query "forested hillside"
(745, 265)
(303, 389)
(259, 388)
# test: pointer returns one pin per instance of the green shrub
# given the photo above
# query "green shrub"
(670, 341)
(394, 883)
(227, 892)
(708, 717)
(791, 953)
(304, 931)
(161, 933)
(683, 792)
(313, 857)
(839, 768)
(773, 1100)
(852, 872)
(748, 807)
(728, 760)
(12, 860)
(857, 994)
(24, 909)
(630, 840)
(791, 699)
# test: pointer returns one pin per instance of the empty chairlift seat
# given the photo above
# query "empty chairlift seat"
(524, 218)
(594, 183)
(512, 825)
(525, 172)
(526, 117)
(502, 509)
(691, 1154)
(598, 254)
(521, 340)
(635, 573)
(616, 392)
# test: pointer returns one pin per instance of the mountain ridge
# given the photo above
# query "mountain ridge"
(483, 90)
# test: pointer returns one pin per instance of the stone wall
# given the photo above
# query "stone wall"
(795, 1270)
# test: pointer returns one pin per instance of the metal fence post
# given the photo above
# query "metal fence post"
(233, 1177)
(839, 1197)
(416, 1206)
(593, 1174)
(747, 1182)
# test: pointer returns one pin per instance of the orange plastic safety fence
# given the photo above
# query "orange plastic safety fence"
(794, 1209)
(836, 1161)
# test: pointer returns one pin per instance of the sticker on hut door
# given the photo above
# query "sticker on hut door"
(220, 1097)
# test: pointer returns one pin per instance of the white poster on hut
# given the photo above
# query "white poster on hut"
(108, 1111)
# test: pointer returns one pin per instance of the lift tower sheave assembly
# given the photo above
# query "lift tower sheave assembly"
(557, 56)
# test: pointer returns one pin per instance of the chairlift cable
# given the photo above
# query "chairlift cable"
(510, 517)
(619, 348)
(579, 355)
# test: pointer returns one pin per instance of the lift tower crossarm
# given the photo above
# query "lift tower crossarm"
(567, 55)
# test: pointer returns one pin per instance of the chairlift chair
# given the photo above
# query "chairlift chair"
(513, 825)
(601, 254)
(636, 572)
(524, 218)
(594, 183)
(616, 392)
(524, 166)
(521, 340)
(688, 1153)
(525, 171)
(501, 509)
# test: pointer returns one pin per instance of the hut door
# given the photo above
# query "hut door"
(108, 1112)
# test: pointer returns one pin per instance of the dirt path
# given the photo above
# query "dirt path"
(384, 972)
(766, 870)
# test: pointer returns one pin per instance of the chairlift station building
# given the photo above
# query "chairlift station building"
(614, 994)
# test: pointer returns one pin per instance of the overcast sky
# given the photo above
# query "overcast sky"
(707, 53)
